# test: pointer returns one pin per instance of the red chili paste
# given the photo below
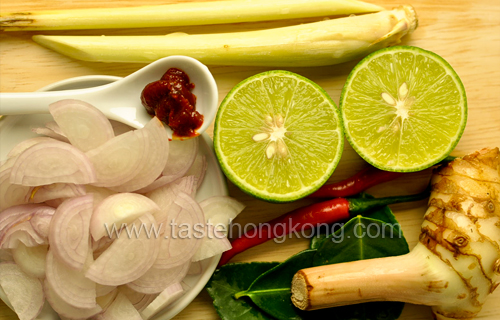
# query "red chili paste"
(171, 100)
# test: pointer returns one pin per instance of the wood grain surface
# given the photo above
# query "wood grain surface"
(465, 32)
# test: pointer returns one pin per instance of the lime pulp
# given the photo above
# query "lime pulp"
(278, 136)
(403, 108)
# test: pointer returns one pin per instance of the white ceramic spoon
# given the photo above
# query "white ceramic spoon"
(121, 100)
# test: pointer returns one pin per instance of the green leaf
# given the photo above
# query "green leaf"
(318, 239)
(271, 290)
(383, 214)
(361, 238)
(348, 245)
(233, 278)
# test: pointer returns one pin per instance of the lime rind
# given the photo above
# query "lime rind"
(303, 139)
(366, 136)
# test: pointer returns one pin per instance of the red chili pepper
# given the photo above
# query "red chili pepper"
(305, 218)
(359, 182)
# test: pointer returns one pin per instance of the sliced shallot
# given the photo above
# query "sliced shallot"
(69, 231)
(7, 163)
(41, 222)
(12, 214)
(56, 190)
(221, 210)
(119, 159)
(165, 195)
(70, 284)
(138, 300)
(15, 214)
(57, 195)
(107, 299)
(11, 194)
(66, 310)
(198, 169)
(187, 184)
(25, 293)
(52, 125)
(50, 133)
(153, 166)
(102, 245)
(118, 209)
(16, 225)
(158, 183)
(156, 280)
(181, 156)
(102, 290)
(31, 260)
(129, 256)
(22, 232)
(52, 162)
(163, 181)
(24, 224)
(25, 144)
(85, 126)
(164, 299)
(99, 193)
(120, 309)
(54, 203)
(214, 243)
(184, 230)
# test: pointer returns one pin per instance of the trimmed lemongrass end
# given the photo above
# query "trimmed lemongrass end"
(418, 277)
(310, 44)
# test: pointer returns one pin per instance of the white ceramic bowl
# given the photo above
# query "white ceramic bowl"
(14, 129)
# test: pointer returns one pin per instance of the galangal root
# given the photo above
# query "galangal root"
(453, 268)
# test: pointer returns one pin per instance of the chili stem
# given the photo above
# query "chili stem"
(362, 205)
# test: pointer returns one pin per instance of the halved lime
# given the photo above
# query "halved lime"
(278, 136)
(403, 108)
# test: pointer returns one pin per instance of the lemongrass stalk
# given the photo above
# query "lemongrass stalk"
(454, 267)
(310, 44)
(181, 14)
(418, 277)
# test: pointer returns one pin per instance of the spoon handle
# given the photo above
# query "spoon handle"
(38, 102)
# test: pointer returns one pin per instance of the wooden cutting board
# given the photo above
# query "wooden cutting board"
(466, 33)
